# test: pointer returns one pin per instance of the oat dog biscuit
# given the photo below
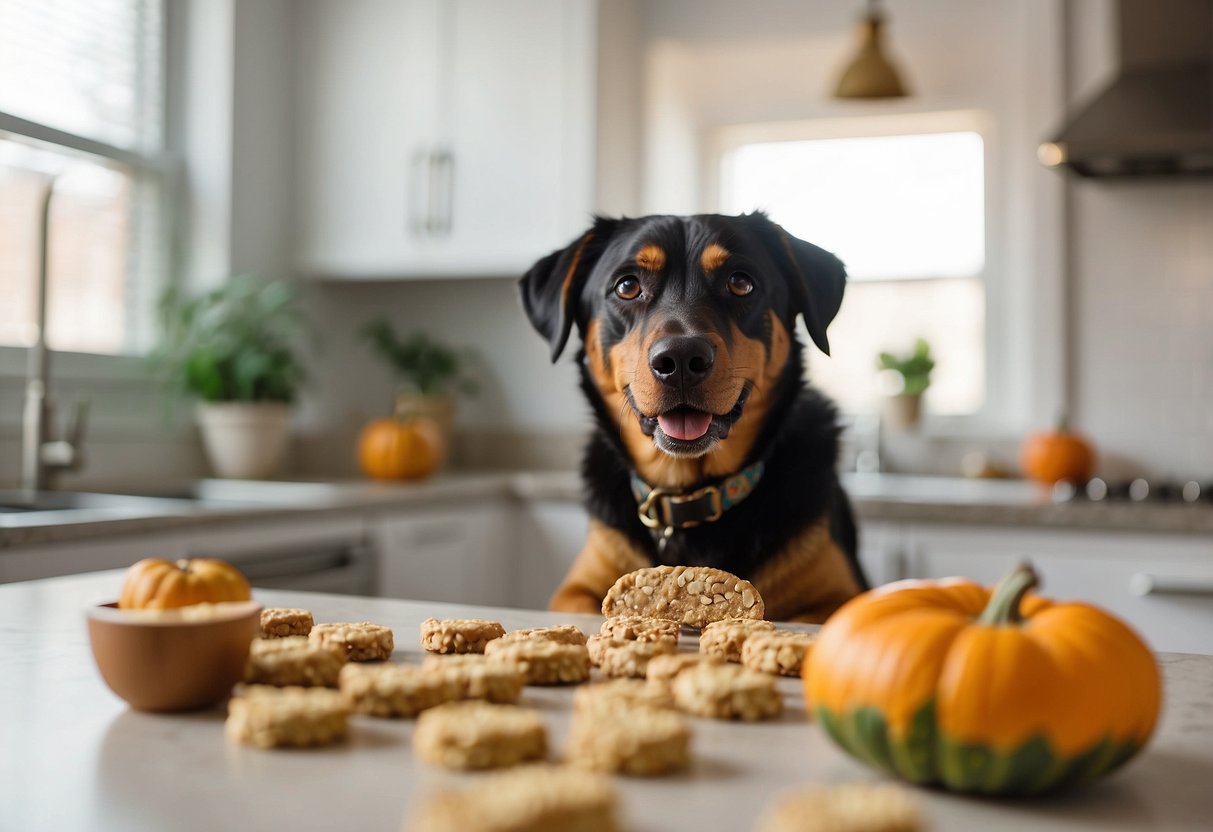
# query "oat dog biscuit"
(363, 642)
(478, 677)
(292, 661)
(476, 735)
(724, 639)
(560, 633)
(691, 595)
(269, 717)
(627, 658)
(663, 669)
(533, 798)
(639, 628)
(621, 695)
(395, 690)
(642, 741)
(725, 691)
(853, 807)
(546, 662)
(279, 622)
(782, 652)
(458, 635)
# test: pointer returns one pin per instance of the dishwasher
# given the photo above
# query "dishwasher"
(344, 567)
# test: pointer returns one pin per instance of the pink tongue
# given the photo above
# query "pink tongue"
(685, 424)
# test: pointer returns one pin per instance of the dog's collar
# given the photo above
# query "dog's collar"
(665, 511)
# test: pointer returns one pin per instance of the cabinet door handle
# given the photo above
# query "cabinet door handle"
(442, 207)
(420, 192)
(1143, 584)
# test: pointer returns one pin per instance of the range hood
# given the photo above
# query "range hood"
(1156, 117)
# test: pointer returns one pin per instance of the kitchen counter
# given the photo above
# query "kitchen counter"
(75, 757)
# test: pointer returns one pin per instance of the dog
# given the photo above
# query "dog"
(710, 449)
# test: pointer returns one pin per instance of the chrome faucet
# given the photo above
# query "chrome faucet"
(42, 456)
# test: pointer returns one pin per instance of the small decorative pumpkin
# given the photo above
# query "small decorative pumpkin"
(991, 692)
(400, 449)
(1053, 456)
(158, 584)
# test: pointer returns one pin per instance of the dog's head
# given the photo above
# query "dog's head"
(688, 326)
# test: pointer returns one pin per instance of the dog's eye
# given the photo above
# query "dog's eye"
(627, 287)
(740, 284)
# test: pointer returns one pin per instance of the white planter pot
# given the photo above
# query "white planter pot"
(244, 440)
(902, 413)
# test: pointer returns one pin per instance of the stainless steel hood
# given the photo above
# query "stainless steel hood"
(1156, 117)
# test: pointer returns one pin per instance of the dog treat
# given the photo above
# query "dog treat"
(477, 735)
(853, 807)
(641, 741)
(546, 662)
(626, 658)
(691, 595)
(279, 622)
(782, 652)
(639, 628)
(621, 695)
(560, 633)
(725, 691)
(724, 639)
(395, 690)
(663, 669)
(363, 642)
(532, 798)
(269, 717)
(458, 635)
(478, 677)
(292, 661)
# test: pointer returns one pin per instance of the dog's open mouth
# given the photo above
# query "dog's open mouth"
(689, 431)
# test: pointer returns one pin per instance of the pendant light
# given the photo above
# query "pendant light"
(870, 74)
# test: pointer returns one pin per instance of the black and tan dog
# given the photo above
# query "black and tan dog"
(709, 449)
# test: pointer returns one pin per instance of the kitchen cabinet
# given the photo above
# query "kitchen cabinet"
(550, 535)
(443, 137)
(50, 560)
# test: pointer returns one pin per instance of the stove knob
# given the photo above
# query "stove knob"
(1063, 491)
(1191, 491)
(1097, 489)
(1139, 490)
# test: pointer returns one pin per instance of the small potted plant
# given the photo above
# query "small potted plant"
(233, 349)
(911, 375)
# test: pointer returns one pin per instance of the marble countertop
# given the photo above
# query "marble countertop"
(76, 758)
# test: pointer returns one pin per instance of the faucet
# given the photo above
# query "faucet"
(42, 456)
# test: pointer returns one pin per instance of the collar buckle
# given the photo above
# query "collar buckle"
(659, 509)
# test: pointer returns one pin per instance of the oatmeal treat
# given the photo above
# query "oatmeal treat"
(853, 807)
(725, 691)
(724, 639)
(782, 652)
(533, 798)
(627, 658)
(292, 661)
(394, 689)
(663, 669)
(691, 595)
(561, 634)
(279, 622)
(269, 717)
(639, 628)
(478, 677)
(546, 662)
(477, 735)
(641, 741)
(622, 695)
(458, 635)
(363, 642)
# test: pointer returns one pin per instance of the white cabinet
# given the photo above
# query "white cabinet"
(550, 535)
(50, 560)
(443, 137)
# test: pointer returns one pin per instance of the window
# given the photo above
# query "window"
(905, 210)
(81, 113)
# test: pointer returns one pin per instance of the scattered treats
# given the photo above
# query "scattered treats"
(478, 677)
(639, 628)
(782, 652)
(477, 735)
(724, 639)
(725, 691)
(269, 717)
(363, 642)
(691, 595)
(641, 741)
(560, 633)
(458, 635)
(395, 690)
(626, 658)
(663, 669)
(853, 807)
(279, 622)
(546, 662)
(621, 695)
(535, 798)
(292, 661)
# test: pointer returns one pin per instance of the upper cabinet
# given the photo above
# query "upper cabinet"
(443, 138)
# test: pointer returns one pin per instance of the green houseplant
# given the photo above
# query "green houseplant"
(903, 409)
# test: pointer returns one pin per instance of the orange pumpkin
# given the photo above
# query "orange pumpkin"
(400, 449)
(158, 584)
(992, 692)
(1053, 456)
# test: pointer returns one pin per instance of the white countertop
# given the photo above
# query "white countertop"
(74, 757)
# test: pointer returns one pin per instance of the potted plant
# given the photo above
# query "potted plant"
(912, 374)
(233, 349)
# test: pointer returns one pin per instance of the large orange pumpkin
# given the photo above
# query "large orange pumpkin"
(158, 584)
(1054, 456)
(400, 449)
(982, 691)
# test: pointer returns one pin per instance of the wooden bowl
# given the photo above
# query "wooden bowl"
(173, 660)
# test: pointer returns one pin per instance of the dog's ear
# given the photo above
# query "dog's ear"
(551, 288)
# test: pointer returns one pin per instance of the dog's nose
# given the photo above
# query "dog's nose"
(682, 360)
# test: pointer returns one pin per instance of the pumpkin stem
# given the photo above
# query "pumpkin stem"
(1003, 607)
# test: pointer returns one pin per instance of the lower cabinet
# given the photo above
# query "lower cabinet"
(551, 534)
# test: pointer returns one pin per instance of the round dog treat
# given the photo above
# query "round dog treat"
(269, 717)
(532, 798)
(458, 635)
(560, 633)
(627, 658)
(724, 639)
(642, 741)
(725, 691)
(478, 677)
(476, 735)
(363, 642)
(395, 690)
(663, 669)
(546, 662)
(853, 807)
(782, 652)
(691, 595)
(638, 628)
(279, 622)
(292, 661)
(621, 695)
